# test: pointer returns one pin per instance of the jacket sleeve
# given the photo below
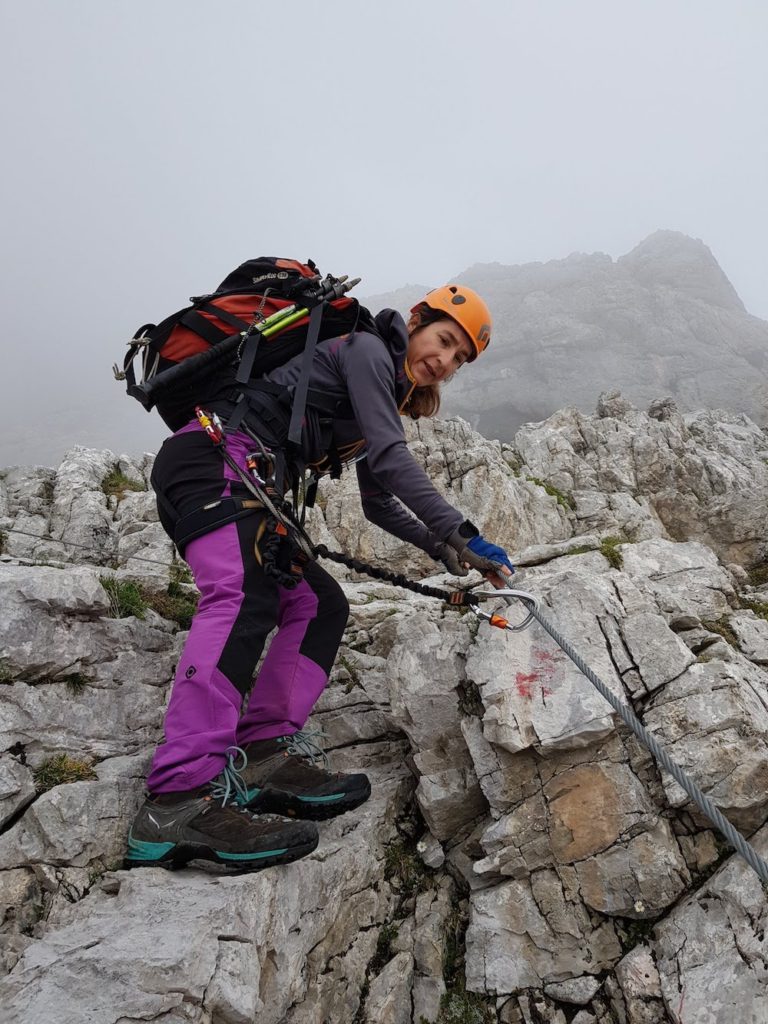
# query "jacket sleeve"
(370, 379)
(384, 510)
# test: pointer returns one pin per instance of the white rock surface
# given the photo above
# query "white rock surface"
(543, 821)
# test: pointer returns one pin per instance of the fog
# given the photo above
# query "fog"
(150, 147)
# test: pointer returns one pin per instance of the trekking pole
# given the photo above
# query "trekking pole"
(327, 291)
(630, 719)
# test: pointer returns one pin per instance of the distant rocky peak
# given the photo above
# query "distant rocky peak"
(674, 260)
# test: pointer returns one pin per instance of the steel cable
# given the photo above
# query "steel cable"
(734, 837)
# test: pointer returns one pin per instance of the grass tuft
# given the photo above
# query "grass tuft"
(125, 598)
(609, 549)
(404, 869)
(758, 574)
(175, 604)
(61, 769)
(760, 608)
(723, 628)
(462, 1007)
(75, 682)
(117, 483)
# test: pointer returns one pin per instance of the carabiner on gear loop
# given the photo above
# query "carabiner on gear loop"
(499, 621)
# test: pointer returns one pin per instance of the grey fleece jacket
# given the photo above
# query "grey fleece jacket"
(366, 373)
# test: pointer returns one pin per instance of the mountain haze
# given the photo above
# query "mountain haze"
(663, 320)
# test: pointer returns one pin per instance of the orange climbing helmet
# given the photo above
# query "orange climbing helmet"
(465, 306)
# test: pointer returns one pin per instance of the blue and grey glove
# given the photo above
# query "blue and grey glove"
(444, 553)
(476, 551)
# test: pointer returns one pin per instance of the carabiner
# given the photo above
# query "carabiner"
(509, 596)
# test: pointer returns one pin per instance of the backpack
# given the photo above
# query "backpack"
(217, 337)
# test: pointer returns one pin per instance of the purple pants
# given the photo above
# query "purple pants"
(239, 606)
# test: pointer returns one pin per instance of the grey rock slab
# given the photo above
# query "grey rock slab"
(524, 934)
(52, 626)
(28, 489)
(431, 851)
(752, 635)
(713, 721)
(75, 824)
(424, 669)
(232, 995)
(533, 693)
(432, 911)
(681, 579)
(702, 477)
(639, 878)
(576, 990)
(98, 723)
(389, 997)
(712, 951)
(659, 654)
(17, 787)
(638, 978)
(75, 590)
(540, 553)
(80, 513)
(86, 963)
(427, 997)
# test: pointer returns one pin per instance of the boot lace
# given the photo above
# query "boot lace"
(230, 784)
(305, 744)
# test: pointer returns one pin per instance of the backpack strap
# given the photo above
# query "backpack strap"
(302, 385)
(209, 332)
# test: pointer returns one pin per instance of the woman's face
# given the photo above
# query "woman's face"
(436, 350)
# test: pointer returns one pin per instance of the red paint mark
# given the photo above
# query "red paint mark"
(547, 657)
(524, 683)
(533, 684)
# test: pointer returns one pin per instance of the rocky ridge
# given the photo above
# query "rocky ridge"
(522, 859)
(662, 319)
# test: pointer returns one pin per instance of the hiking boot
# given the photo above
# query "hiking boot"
(207, 823)
(289, 775)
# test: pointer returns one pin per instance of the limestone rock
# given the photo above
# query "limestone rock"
(388, 1000)
(72, 824)
(713, 721)
(524, 933)
(16, 787)
(711, 951)
(703, 477)
(578, 990)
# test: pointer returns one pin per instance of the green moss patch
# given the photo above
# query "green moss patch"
(566, 500)
(126, 598)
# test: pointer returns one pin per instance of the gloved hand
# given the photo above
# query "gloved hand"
(476, 551)
(445, 553)
(492, 552)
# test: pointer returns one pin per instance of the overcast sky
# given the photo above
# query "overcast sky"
(151, 145)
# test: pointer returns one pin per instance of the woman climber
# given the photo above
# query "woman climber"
(222, 775)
